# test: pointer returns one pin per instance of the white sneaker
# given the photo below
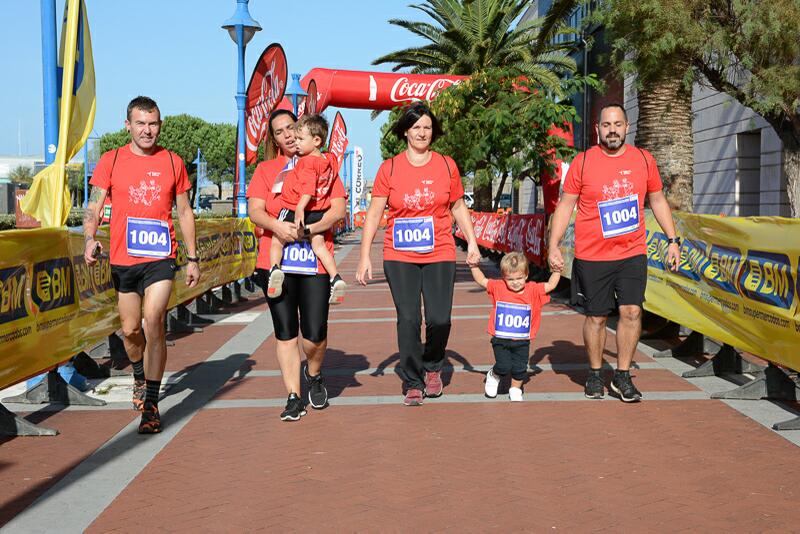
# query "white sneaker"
(492, 381)
(515, 394)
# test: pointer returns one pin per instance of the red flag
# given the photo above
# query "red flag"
(264, 92)
(337, 143)
(310, 102)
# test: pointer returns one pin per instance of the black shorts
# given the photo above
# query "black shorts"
(600, 286)
(137, 278)
(310, 217)
(303, 295)
(511, 357)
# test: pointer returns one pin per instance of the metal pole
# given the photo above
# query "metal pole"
(49, 79)
(294, 104)
(86, 174)
(197, 183)
(241, 201)
(584, 126)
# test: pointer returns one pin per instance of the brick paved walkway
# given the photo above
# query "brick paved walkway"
(461, 463)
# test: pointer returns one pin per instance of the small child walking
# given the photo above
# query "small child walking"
(514, 322)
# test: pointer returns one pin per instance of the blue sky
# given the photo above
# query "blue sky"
(176, 52)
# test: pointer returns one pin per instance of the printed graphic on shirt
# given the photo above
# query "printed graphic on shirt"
(420, 200)
(146, 193)
(618, 189)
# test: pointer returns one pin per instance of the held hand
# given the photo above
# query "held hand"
(92, 251)
(299, 219)
(286, 231)
(192, 273)
(364, 271)
(673, 256)
(555, 259)
(473, 254)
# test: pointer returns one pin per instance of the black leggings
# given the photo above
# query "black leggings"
(303, 294)
(434, 282)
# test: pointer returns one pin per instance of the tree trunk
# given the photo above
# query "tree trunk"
(482, 189)
(665, 129)
(791, 165)
(499, 194)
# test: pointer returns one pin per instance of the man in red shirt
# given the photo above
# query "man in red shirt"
(609, 183)
(145, 181)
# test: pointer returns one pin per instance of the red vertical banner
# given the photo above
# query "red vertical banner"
(310, 102)
(337, 144)
(264, 92)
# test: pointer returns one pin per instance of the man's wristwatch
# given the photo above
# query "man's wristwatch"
(195, 259)
(675, 240)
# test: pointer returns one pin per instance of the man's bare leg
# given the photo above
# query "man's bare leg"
(594, 337)
(130, 315)
(629, 329)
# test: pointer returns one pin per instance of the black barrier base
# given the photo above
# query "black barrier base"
(209, 303)
(693, 346)
(666, 330)
(791, 424)
(249, 284)
(54, 389)
(14, 425)
(112, 348)
(237, 293)
(85, 365)
(176, 326)
(726, 361)
(773, 384)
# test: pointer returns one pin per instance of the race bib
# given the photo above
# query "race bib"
(413, 234)
(148, 238)
(299, 258)
(512, 321)
(619, 216)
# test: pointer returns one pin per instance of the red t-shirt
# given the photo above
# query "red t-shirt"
(610, 220)
(261, 187)
(144, 189)
(312, 175)
(516, 315)
(420, 225)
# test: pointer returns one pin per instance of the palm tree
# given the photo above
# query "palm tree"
(470, 36)
(21, 174)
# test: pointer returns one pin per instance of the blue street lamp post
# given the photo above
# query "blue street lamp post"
(241, 27)
(200, 178)
(295, 91)
(49, 79)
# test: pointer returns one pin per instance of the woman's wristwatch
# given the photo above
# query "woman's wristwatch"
(194, 259)
(675, 240)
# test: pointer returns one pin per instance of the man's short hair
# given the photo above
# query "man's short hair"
(514, 262)
(612, 105)
(144, 103)
(317, 125)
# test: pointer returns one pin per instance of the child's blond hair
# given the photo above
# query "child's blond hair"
(317, 125)
(514, 262)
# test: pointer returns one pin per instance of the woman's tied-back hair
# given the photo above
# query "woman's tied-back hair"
(411, 115)
(514, 262)
(317, 125)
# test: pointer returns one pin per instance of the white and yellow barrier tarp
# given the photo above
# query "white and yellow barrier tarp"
(52, 305)
(738, 281)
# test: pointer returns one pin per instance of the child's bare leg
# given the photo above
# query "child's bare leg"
(516, 383)
(323, 254)
(276, 251)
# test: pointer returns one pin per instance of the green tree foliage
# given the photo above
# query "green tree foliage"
(749, 50)
(496, 126)
(21, 174)
(184, 134)
(469, 36)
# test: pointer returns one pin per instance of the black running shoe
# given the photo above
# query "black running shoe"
(623, 386)
(317, 394)
(594, 387)
(338, 287)
(294, 408)
(151, 419)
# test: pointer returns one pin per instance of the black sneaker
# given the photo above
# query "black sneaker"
(338, 287)
(594, 387)
(151, 419)
(275, 283)
(294, 408)
(623, 386)
(317, 394)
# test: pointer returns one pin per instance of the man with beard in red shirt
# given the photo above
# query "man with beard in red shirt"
(145, 181)
(609, 183)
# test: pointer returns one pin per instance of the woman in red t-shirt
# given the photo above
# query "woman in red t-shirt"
(424, 193)
(306, 286)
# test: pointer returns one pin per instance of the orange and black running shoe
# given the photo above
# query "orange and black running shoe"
(151, 419)
(139, 393)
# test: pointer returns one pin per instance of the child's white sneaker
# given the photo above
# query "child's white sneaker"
(492, 381)
(514, 394)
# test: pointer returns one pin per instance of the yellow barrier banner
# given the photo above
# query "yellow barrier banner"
(52, 305)
(738, 281)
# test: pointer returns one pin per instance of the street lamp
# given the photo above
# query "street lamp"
(295, 91)
(241, 27)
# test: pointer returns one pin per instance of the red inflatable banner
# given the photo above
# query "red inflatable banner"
(374, 90)
(507, 233)
(337, 143)
(264, 92)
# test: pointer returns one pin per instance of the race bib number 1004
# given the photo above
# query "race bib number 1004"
(413, 234)
(148, 238)
(512, 321)
(619, 216)
(299, 258)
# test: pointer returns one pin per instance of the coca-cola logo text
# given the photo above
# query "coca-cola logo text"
(403, 90)
(270, 90)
